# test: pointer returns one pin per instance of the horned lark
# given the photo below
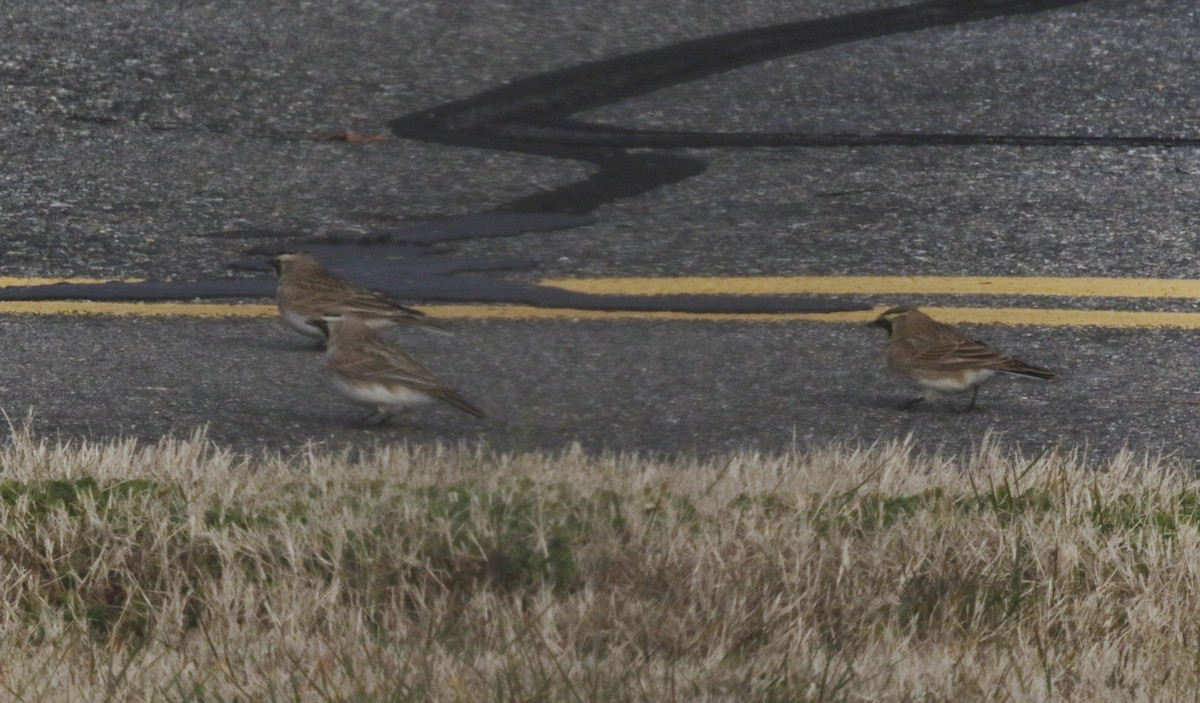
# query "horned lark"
(374, 372)
(939, 358)
(307, 291)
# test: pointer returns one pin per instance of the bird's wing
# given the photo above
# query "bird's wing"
(325, 293)
(380, 362)
(370, 303)
(946, 353)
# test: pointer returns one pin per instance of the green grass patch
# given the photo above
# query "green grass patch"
(179, 572)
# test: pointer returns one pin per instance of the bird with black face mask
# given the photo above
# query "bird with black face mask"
(308, 292)
(940, 359)
(374, 372)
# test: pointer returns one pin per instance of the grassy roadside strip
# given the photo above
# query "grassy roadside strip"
(180, 571)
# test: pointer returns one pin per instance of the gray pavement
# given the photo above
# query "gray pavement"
(132, 132)
(692, 387)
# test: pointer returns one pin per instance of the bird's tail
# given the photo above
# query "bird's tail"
(1020, 368)
(452, 398)
(422, 321)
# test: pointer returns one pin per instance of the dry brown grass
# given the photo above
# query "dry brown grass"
(183, 572)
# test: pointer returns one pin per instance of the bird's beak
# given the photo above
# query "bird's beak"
(275, 264)
(881, 322)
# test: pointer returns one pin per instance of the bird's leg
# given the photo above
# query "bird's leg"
(376, 417)
(971, 405)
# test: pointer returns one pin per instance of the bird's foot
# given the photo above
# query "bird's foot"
(375, 418)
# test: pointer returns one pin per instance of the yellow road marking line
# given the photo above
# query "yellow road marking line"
(1064, 317)
(18, 281)
(88, 307)
(529, 312)
(887, 285)
(838, 285)
(872, 285)
(981, 316)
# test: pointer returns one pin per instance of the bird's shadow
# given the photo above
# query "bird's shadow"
(283, 343)
(919, 407)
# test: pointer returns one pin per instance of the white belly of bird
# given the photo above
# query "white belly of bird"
(379, 394)
(963, 382)
(299, 323)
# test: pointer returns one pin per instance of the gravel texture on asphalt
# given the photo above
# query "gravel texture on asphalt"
(149, 139)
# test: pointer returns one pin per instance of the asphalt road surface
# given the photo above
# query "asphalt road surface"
(775, 138)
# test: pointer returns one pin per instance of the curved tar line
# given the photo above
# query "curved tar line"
(407, 272)
(531, 115)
